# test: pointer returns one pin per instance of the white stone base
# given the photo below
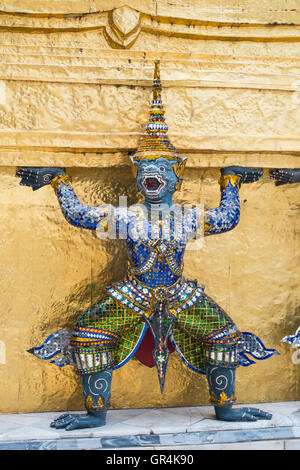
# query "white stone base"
(193, 428)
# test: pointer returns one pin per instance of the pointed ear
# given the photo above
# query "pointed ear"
(134, 165)
(183, 163)
(179, 168)
(132, 159)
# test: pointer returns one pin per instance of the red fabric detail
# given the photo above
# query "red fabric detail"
(144, 352)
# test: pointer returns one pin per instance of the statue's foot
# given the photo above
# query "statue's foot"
(226, 413)
(69, 422)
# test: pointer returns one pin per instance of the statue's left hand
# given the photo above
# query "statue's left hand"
(37, 177)
(246, 175)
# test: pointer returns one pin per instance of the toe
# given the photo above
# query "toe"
(246, 416)
(63, 422)
(73, 425)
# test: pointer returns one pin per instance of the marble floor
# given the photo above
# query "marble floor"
(153, 429)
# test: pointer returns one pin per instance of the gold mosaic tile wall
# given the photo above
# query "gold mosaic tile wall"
(75, 86)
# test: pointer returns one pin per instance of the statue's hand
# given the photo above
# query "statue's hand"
(246, 175)
(285, 176)
(37, 177)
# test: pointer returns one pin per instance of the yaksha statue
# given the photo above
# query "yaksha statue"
(154, 299)
(285, 176)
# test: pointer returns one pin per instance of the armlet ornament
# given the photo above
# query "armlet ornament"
(65, 179)
(234, 180)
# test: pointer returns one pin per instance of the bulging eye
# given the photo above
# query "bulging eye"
(162, 168)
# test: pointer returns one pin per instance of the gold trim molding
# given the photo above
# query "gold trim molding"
(212, 11)
(89, 159)
(134, 68)
(102, 142)
(122, 23)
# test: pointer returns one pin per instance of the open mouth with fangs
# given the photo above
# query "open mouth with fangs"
(153, 183)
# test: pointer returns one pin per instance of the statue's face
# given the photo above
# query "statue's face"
(156, 178)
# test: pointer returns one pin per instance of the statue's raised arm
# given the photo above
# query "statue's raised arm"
(75, 212)
(227, 215)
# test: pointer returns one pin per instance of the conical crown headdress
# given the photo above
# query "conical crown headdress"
(156, 143)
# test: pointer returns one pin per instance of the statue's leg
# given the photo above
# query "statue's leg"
(96, 392)
(99, 343)
(221, 382)
(208, 340)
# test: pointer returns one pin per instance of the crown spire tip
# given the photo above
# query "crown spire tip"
(157, 69)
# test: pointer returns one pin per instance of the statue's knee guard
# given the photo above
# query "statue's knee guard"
(221, 355)
(94, 349)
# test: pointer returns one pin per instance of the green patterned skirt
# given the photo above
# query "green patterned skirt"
(108, 335)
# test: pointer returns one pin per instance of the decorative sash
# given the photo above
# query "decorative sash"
(138, 297)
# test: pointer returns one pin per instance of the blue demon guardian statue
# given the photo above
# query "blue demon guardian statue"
(154, 298)
(284, 176)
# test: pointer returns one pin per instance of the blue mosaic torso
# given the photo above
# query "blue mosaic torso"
(156, 262)
(154, 258)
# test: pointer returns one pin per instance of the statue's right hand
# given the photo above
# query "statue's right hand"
(37, 177)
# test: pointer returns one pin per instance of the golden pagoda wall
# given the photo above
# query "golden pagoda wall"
(75, 84)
